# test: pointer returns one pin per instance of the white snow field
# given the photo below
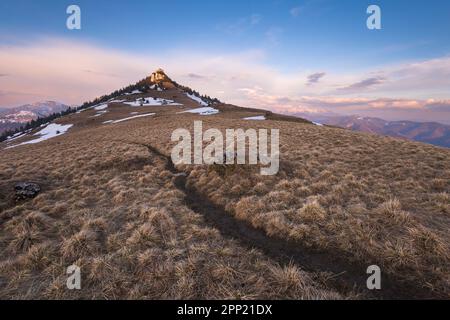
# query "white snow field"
(116, 101)
(150, 101)
(155, 87)
(197, 99)
(133, 92)
(15, 136)
(129, 118)
(97, 107)
(205, 111)
(256, 118)
(99, 113)
(51, 131)
(101, 107)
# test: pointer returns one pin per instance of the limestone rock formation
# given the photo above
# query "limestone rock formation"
(160, 78)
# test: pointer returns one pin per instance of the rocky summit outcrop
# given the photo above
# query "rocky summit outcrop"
(159, 77)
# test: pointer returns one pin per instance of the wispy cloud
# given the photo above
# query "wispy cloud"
(424, 79)
(363, 84)
(241, 25)
(315, 77)
(242, 78)
(43, 67)
(105, 74)
(387, 108)
(255, 18)
(295, 12)
(12, 98)
(273, 35)
(196, 76)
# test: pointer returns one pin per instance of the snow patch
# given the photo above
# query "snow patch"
(51, 131)
(133, 92)
(15, 136)
(205, 111)
(22, 113)
(99, 113)
(156, 87)
(197, 99)
(129, 118)
(317, 124)
(256, 118)
(151, 102)
(101, 107)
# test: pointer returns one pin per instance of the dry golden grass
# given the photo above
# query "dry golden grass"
(113, 209)
(378, 199)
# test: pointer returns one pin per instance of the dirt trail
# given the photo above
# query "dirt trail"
(348, 276)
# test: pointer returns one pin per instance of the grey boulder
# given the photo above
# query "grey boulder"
(26, 190)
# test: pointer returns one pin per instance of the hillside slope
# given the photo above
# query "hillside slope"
(113, 203)
(437, 134)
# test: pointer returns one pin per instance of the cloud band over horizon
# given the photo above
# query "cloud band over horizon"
(74, 72)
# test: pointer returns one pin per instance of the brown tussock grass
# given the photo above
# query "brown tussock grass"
(112, 208)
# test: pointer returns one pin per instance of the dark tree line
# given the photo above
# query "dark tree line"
(196, 93)
(33, 124)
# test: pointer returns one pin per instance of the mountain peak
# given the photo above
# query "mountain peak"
(159, 76)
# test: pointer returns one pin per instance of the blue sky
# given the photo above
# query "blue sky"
(292, 39)
(322, 33)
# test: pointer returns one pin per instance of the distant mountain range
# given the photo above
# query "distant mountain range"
(12, 118)
(428, 132)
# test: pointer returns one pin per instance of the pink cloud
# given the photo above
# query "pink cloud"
(426, 110)
(74, 72)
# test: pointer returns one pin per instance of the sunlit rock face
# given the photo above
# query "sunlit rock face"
(159, 77)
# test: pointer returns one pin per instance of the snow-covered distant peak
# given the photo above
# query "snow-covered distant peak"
(12, 118)
(23, 113)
